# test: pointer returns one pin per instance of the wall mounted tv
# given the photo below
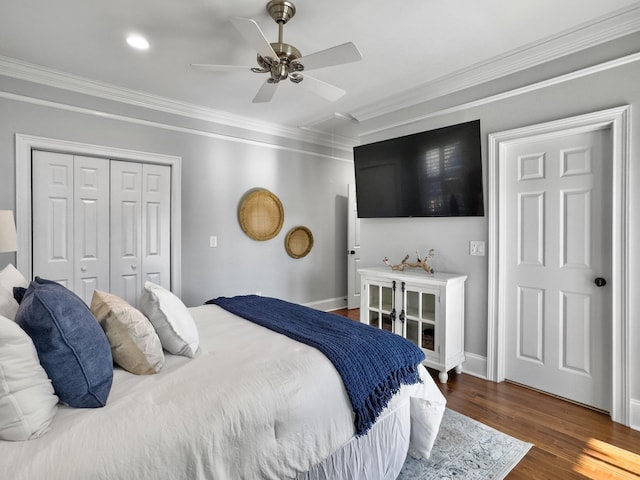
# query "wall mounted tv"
(437, 173)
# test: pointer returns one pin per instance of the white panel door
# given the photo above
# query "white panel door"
(126, 230)
(156, 224)
(91, 226)
(558, 333)
(353, 255)
(52, 217)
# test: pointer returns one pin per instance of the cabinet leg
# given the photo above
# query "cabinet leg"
(459, 369)
(443, 376)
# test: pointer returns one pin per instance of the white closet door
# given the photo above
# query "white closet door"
(91, 226)
(156, 224)
(52, 216)
(126, 228)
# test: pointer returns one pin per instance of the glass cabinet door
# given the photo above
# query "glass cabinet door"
(381, 306)
(420, 317)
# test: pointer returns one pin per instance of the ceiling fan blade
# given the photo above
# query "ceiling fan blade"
(219, 68)
(324, 89)
(345, 53)
(265, 94)
(252, 34)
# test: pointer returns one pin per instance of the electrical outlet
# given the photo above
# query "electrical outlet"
(476, 247)
(213, 241)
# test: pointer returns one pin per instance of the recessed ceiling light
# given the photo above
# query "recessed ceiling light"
(138, 41)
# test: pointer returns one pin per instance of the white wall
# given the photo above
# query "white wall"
(217, 169)
(592, 92)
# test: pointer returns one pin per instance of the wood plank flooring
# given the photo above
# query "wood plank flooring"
(570, 441)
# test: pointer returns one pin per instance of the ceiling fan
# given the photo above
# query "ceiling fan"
(282, 60)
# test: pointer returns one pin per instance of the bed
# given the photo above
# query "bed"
(251, 403)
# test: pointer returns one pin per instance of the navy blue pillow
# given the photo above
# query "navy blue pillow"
(71, 345)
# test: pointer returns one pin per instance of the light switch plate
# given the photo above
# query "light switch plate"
(476, 247)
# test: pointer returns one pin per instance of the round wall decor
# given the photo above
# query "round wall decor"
(299, 242)
(261, 214)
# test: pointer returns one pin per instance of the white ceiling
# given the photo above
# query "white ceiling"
(404, 44)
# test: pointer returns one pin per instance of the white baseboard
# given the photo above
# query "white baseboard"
(475, 365)
(328, 304)
(634, 414)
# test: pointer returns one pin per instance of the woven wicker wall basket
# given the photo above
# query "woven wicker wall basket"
(299, 242)
(261, 214)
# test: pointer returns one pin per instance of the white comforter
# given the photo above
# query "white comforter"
(252, 404)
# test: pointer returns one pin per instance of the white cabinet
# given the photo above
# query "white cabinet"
(426, 309)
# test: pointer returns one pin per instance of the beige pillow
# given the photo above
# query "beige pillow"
(135, 345)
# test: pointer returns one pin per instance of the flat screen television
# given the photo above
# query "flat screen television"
(437, 173)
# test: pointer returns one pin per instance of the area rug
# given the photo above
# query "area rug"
(467, 450)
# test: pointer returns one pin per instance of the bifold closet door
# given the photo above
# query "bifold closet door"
(140, 228)
(71, 221)
(156, 224)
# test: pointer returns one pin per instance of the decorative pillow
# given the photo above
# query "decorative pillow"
(135, 345)
(9, 278)
(171, 319)
(27, 401)
(72, 347)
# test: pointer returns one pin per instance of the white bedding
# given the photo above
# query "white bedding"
(251, 404)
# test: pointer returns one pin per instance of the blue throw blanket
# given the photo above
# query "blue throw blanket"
(373, 363)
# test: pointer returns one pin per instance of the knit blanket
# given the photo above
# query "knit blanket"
(373, 363)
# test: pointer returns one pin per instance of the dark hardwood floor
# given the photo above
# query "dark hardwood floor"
(569, 440)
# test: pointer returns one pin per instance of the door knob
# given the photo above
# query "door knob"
(352, 252)
(133, 267)
(600, 282)
(83, 269)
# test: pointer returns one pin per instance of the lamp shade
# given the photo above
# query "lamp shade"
(8, 241)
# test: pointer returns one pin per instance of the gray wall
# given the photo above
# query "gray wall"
(216, 171)
(450, 237)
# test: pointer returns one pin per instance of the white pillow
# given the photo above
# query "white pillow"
(9, 278)
(27, 400)
(171, 319)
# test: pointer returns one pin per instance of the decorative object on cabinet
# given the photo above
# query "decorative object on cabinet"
(299, 242)
(261, 214)
(427, 310)
(8, 241)
(419, 263)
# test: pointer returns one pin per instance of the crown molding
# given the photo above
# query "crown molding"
(603, 29)
(19, 69)
(168, 126)
(601, 67)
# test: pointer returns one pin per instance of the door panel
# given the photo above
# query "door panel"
(126, 227)
(530, 318)
(52, 216)
(91, 226)
(156, 224)
(558, 211)
(353, 244)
